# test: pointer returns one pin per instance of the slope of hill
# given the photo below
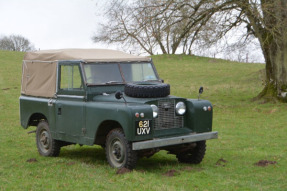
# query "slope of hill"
(219, 77)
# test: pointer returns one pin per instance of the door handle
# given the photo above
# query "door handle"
(59, 111)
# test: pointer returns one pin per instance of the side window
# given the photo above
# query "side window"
(70, 78)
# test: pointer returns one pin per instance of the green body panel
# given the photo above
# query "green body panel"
(77, 121)
(70, 119)
(196, 118)
(100, 112)
(30, 106)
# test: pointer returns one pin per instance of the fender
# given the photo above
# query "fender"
(34, 107)
(198, 119)
(123, 114)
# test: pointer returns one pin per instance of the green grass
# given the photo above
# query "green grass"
(248, 132)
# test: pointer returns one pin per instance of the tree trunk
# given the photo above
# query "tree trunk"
(273, 41)
(275, 53)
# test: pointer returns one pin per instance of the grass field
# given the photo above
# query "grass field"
(248, 133)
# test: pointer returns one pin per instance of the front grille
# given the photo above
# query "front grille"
(167, 118)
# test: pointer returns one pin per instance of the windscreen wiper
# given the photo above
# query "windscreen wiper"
(151, 80)
(114, 82)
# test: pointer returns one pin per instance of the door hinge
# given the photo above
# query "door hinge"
(51, 102)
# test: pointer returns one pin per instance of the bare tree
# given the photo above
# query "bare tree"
(124, 27)
(16, 43)
(152, 25)
(267, 21)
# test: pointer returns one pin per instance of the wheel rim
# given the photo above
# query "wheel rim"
(44, 141)
(117, 153)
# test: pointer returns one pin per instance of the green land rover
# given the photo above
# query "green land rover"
(112, 99)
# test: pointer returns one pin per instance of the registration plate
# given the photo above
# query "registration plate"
(143, 127)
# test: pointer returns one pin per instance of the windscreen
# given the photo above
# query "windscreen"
(102, 73)
(111, 73)
(138, 72)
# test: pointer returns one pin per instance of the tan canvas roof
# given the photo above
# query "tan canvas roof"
(40, 67)
(89, 55)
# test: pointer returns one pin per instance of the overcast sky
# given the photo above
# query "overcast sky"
(52, 24)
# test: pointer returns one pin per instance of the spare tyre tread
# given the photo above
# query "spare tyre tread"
(147, 90)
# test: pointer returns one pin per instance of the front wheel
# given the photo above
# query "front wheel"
(47, 146)
(194, 155)
(119, 151)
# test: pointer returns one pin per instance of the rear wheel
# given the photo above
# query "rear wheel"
(119, 151)
(194, 155)
(47, 146)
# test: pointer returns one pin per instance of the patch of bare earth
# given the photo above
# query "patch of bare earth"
(141, 171)
(70, 163)
(123, 171)
(272, 111)
(264, 163)
(171, 173)
(221, 162)
(31, 160)
(190, 169)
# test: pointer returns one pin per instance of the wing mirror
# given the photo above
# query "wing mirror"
(200, 91)
(119, 95)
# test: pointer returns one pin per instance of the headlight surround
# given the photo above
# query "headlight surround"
(180, 108)
(155, 111)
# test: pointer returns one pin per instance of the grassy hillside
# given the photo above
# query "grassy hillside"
(248, 132)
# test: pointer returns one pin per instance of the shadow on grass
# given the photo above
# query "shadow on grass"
(88, 155)
(96, 156)
(157, 162)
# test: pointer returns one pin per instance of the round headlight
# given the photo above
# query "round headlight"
(180, 108)
(155, 110)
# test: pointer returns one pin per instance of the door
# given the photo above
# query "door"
(70, 103)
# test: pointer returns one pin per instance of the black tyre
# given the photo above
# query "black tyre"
(193, 156)
(46, 145)
(147, 90)
(119, 151)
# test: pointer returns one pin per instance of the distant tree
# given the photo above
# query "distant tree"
(16, 43)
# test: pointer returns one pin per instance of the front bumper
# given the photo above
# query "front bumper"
(156, 143)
